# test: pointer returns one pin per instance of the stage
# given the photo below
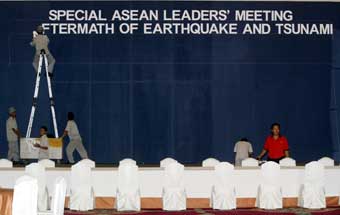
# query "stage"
(198, 182)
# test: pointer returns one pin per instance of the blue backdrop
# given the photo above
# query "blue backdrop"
(188, 97)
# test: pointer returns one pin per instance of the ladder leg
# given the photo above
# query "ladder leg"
(51, 98)
(35, 97)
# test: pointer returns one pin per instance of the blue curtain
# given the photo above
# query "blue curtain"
(188, 97)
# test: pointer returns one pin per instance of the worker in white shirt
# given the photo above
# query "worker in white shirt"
(43, 146)
(40, 42)
(13, 135)
(72, 132)
(243, 150)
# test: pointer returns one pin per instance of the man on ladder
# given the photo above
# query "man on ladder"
(42, 57)
(40, 42)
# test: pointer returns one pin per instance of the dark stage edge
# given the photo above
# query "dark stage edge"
(287, 211)
(65, 165)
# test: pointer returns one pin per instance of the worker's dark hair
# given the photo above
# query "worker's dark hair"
(40, 29)
(70, 116)
(244, 139)
(275, 124)
(44, 127)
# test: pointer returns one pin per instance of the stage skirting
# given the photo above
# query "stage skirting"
(198, 182)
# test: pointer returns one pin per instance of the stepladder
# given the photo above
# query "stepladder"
(43, 63)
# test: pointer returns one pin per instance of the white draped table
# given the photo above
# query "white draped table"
(198, 180)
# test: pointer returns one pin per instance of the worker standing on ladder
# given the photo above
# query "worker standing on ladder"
(40, 42)
(43, 59)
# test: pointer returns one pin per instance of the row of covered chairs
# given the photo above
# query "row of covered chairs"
(223, 195)
(32, 186)
(251, 162)
(128, 196)
(209, 162)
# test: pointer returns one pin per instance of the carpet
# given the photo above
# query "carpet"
(286, 211)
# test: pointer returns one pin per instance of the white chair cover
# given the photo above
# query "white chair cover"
(25, 197)
(210, 162)
(249, 162)
(47, 163)
(88, 162)
(128, 193)
(286, 162)
(223, 195)
(37, 171)
(127, 160)
(81, 189)
(269, 192)
(174, 195)
(163, 163)
(326, 161)
(312, 193)
(58, 198)
(4, 163)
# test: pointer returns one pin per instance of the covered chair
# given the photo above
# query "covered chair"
(269, 191)
(88, 162)
(174, 195)
(58, 198)
(47, 163)
(4, 163)
(163, 163)
(223, 194)
(312, 193)
(326, 161)
(25, 197)
(81, 189)
(250, 162)
(287, 162)
(128, 193)
(127, 160)
(37, 171)
(210, 162)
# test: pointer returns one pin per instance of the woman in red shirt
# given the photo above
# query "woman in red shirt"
(276, 145)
